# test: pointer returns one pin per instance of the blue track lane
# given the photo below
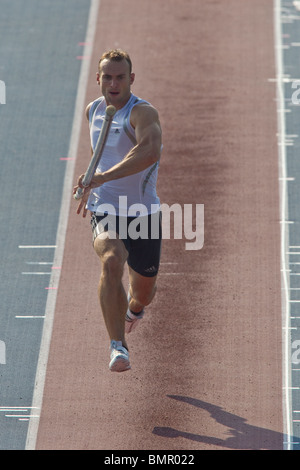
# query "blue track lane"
(289, 142)
(291, 38)
(39, 45)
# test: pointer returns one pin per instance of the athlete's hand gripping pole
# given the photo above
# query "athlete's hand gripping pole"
(109, 114)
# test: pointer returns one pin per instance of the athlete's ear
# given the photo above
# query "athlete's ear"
(98, 78)
(132, 77)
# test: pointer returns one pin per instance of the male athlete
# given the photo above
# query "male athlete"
(126, 175)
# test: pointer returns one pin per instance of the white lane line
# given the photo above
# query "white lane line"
(16, 408)
(288, 178)
(22, 416)
(282, 137)
(62, 225)
(176, 274)
(29, 316)
(36, 273)
(39, 262)
(36, 246)
(168, 262)
(19, 409)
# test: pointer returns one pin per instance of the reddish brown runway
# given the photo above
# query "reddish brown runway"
(206, 362)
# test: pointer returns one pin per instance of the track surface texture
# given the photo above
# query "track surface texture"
(206, 359)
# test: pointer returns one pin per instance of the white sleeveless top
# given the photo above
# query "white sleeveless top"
(116, 196)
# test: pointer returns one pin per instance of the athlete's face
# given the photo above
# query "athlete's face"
(115, 81)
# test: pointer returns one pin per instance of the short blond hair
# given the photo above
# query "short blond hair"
(116, 55)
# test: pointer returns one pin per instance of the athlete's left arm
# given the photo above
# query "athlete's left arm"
(145, 120)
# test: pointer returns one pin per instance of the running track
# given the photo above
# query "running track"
(207, 361)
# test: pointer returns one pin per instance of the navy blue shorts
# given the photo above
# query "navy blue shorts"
(141, 236)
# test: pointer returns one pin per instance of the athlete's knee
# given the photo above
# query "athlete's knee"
(144, 295)
(112, 256)
(112, 264)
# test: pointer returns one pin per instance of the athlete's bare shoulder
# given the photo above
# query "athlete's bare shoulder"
(144, 113)
(87, 110)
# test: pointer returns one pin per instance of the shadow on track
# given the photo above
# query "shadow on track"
(242, 435)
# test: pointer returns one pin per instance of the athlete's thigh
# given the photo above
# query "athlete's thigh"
(106, 245)
(106, 241)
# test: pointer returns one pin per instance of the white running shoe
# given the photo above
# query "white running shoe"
(119, 357)
(131, 320)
